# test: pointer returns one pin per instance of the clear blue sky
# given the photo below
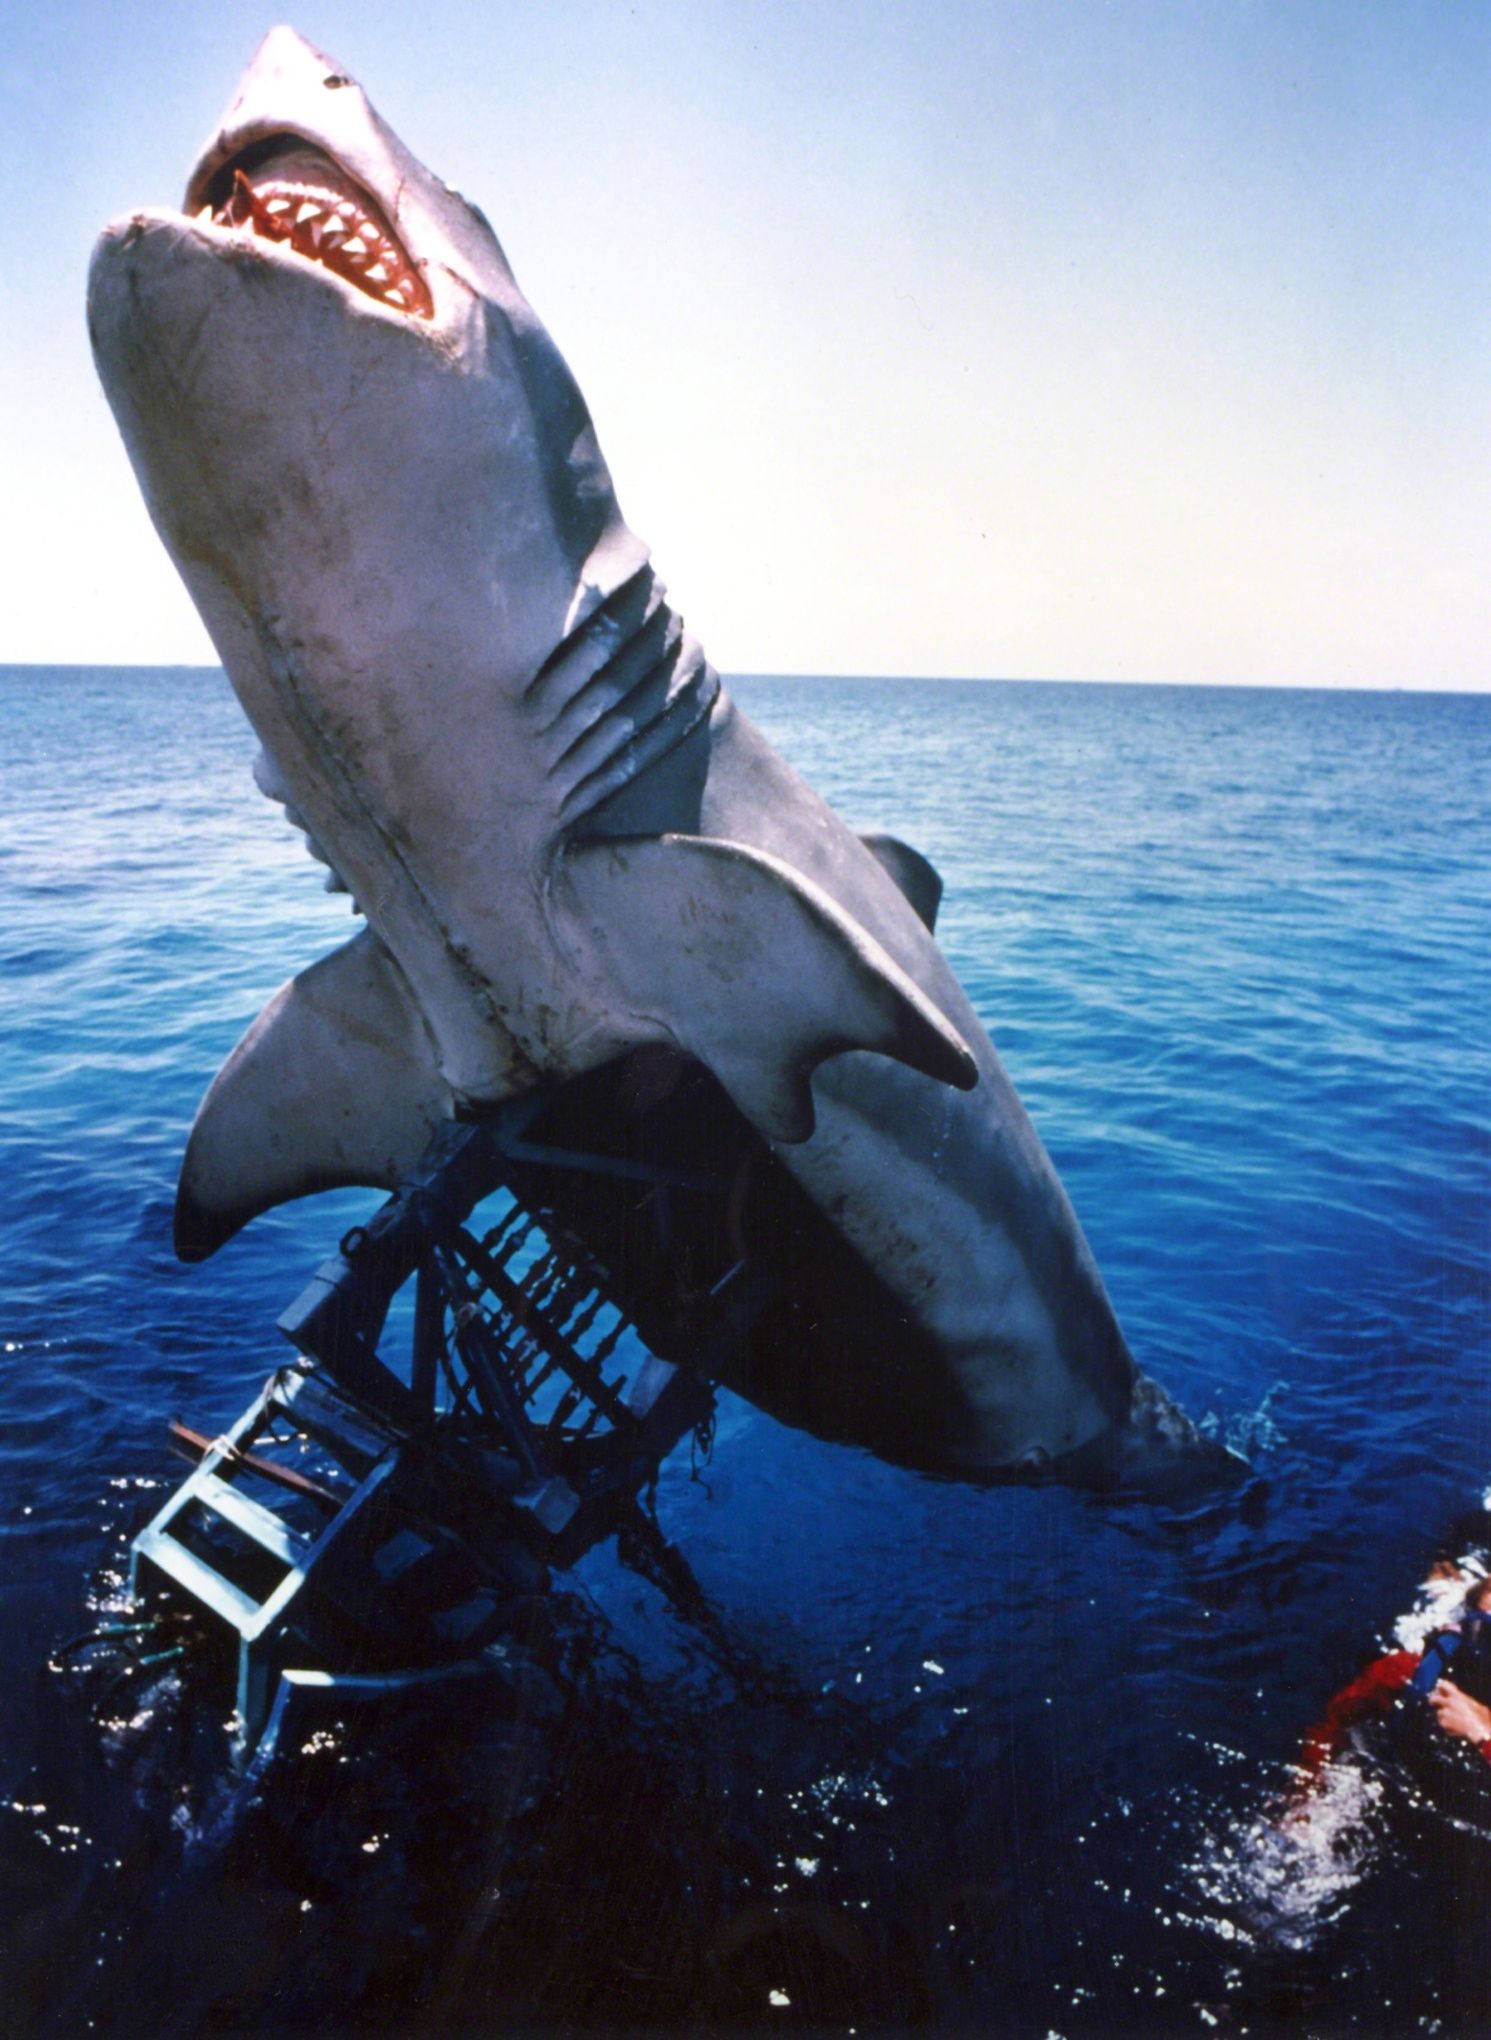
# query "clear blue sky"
(1142, 340)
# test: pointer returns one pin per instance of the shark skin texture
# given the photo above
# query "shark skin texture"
(383, 490)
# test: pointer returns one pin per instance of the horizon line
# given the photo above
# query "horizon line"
(131, 666)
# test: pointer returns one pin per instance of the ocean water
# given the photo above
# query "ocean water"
(1011, 1761)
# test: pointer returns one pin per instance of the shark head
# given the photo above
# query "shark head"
(293, 355)
(383, 490)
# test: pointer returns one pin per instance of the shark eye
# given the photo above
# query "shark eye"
(287, 191)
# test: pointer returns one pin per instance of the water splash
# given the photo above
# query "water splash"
(1279, 1877)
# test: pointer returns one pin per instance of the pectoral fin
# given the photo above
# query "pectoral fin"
(336, 1083)
(753, 969)
(918, 879)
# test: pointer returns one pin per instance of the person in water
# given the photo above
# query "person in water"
(1458, 1714)
(1461, 1704)
(1455, 1672)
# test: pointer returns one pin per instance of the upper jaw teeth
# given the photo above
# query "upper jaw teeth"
(330, 228)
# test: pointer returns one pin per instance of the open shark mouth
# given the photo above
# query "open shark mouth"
(287, 190)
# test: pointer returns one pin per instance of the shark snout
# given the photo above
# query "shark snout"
(1156, 1454)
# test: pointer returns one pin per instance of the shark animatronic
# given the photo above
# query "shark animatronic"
(384, 492)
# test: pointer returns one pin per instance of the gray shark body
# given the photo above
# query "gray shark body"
(385, 495)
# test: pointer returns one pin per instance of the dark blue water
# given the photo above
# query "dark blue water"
(1002, 1760)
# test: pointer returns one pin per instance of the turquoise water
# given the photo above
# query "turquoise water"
(1010, 1759)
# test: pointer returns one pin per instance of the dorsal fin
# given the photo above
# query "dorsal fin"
(336, 1083)
(917, 878)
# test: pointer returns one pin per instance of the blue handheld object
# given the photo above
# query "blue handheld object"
(1437, 1662)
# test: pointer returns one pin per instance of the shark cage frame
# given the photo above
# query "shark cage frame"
(372, 1523)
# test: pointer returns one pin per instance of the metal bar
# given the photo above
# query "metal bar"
(429, 1337)
(327, 1322)
(459, 1390)
(341, 1430)
(262, 1525)
(170, 1556)
(611, 1165)
(606, 1345)
(200, 1444)
(505, 1240)
(569, 1294)
(490, 1376)
(576, 1364)
(291, 1584)
(588, 1315)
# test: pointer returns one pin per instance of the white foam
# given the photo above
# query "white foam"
(1277, 1877)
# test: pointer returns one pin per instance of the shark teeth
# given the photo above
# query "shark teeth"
(346, 237)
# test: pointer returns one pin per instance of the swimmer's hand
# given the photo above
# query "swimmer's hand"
(1458, 1714)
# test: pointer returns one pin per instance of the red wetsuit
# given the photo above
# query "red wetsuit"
(1372, 1692)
